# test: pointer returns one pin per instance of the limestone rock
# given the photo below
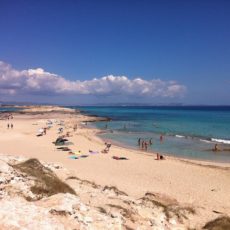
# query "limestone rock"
(81, 204)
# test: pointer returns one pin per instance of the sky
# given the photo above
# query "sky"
(123, 51)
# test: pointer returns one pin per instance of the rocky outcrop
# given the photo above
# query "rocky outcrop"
(33, 197)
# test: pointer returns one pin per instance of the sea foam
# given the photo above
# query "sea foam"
(221, 141)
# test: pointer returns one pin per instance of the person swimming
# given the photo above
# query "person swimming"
(216, 148)
(161, 138)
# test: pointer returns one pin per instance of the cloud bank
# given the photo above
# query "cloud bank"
(39, 82)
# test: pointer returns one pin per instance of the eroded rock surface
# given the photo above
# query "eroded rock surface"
(33, 197)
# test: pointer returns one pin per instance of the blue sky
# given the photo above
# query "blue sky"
(183, 44)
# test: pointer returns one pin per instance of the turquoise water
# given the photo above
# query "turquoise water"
(8, 109)
(189, 132)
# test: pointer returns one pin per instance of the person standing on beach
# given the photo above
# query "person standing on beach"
(8, 126)
(139, 142)
(146, 146)
(150, 141)
(161, 138)
(142, 145)
(12, 126)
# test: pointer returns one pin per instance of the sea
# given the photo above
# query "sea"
(188, 131)
(8, 109)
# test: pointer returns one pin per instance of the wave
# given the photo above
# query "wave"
(221, 141)
(179, 136)
(149, 134)
(203, 139)
(206, 141)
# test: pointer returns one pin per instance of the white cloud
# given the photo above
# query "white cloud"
(38, 81)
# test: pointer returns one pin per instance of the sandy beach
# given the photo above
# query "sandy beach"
(203, 186)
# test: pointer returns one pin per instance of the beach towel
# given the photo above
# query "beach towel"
(119, 158)
(77, 153)
(93, 152)
(73, 157)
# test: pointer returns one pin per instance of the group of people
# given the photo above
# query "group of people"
(143, 144)
(10, 124)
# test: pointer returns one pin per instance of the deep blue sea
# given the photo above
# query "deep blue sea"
(188, 131)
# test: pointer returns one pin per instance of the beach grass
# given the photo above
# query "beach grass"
(46, 182)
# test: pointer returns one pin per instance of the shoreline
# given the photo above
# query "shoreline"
(200, 161)
(93, 118)
(203, 152)
(88, 118)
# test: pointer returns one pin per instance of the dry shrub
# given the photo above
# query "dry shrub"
(127, 213)
(180, 212)
(59, 212)
(115, 190)
(102, 210)
(127, 227)
(220, 223)
(169, 206)
(72, 178)
(46, 182)
(84, 182)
